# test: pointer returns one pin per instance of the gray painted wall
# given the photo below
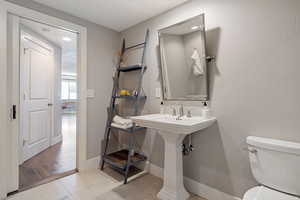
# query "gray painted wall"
(254, 84)
(102, 46)
(175, 63)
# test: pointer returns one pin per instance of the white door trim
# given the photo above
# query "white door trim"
(3, 104)
(6, 160)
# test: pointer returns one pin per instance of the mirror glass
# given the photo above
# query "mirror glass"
(183, 60)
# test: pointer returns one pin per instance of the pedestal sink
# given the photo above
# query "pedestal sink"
(173, 132)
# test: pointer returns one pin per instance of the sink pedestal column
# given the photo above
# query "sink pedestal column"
(173, 188)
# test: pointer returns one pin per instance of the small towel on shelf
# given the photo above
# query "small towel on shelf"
(121, 122)
(121, 126)
(197, 67)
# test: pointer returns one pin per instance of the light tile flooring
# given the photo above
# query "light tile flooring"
(95, 185)
(86, 186)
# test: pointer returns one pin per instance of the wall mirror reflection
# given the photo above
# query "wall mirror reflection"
(183, 61)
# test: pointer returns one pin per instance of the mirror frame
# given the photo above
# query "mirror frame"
(163, 81)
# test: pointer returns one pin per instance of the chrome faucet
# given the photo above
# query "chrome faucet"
(189, 114)
(181, 112)
(173, 111)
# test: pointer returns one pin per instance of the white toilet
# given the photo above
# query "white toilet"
(275, 164)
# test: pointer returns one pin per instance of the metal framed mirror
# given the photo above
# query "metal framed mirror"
(184, 61)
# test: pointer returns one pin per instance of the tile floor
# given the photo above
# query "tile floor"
(86, 185)
(95, 185)
(143, 188)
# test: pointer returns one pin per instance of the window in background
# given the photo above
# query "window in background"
(68, 89)
(72, 90)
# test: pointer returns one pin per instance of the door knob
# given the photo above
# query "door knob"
(50, 104)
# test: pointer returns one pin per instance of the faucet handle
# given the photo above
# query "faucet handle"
(189, 114)
(181, 112)
(173, 111)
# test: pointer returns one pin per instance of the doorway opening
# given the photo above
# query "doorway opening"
(48, 103)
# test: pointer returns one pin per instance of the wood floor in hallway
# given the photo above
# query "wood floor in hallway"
(54, 161)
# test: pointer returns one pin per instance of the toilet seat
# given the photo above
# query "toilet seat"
(264, 193)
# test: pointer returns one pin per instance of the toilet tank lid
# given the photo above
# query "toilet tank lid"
(275, 145)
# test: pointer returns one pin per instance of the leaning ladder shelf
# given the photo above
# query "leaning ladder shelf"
(124, 159)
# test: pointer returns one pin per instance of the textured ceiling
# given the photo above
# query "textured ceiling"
(115, 14)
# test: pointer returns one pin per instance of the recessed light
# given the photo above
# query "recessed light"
(195, 27)
(67, 39)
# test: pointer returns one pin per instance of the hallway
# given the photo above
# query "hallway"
(53, 162)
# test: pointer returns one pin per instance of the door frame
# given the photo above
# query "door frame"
(9, 132)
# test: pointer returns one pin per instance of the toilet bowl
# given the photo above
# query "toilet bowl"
(275, 165)
(264, 193)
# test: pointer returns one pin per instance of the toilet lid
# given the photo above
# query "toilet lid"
(263, 193)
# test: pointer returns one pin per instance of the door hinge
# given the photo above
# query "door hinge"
(24, 50)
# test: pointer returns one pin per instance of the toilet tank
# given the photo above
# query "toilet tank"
(275, 163)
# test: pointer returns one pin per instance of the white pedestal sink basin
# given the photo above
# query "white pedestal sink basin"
(173, 131)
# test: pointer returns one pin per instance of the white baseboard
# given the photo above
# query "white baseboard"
(57, 139)
(92, 163)
(206, 191)
(195, 187)
(156, 171)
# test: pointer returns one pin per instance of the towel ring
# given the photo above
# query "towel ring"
(210, 58)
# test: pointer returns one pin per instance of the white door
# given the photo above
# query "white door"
(35, 97)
